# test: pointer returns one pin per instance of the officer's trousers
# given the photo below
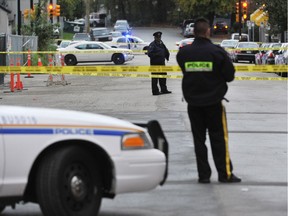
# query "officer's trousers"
(162, 83)
(213, 119)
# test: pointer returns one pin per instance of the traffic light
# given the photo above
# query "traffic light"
(57, 10)
(244, 10)
(50, 10)
(237, 12)
(26, 13)
(237, 8)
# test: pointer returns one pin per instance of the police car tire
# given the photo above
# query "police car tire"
(118, 59)
(70, 60)
(68, 183)
(2, 207)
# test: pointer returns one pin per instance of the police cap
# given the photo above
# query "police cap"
(157, 34)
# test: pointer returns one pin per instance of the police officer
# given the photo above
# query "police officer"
(206, 70)
(158, 52)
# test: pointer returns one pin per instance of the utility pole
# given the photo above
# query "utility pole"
(240, 18)
(87, 18)
(31, 8)
(51, 9)
(19, 16)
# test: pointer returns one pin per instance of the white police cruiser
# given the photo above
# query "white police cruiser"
(67, 161)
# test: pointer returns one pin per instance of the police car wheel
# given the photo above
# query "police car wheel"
(118, 59)
(68, 183)
(2, 207)
(70, 60)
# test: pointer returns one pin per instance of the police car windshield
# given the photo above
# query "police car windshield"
(100, 31)
(121, 23)
(248, 45)
(106, 46)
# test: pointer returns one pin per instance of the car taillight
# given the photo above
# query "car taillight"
(271, 55)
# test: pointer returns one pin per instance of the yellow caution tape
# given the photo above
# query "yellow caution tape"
(259, 49)
(66, 52)
(124, 68)
(261, 68)
(261, 78)
(113, 71)
(134, 51)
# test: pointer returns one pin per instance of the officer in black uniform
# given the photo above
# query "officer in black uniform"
(206, 70)
(158, 52)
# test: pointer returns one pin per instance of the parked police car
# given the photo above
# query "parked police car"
(67, 161)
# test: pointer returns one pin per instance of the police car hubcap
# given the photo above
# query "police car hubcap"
(78, 187)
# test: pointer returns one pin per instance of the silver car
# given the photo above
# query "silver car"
(123, 27)
(100, 34)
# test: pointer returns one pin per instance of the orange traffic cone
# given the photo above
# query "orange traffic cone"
(29, 64)
(39, 62)
(18, 84)
(12, 76)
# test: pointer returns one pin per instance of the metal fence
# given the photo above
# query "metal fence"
(13, 44)
(16, 43)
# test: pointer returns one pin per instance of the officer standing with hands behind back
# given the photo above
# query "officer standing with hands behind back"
(206, 70)
(158, 52)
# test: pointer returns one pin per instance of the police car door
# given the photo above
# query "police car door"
(122, 42)
(133, 45)
(97, 53)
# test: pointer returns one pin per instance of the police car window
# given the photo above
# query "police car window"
(131, 40)
(136, 40)
(121, 40)
(82, 46)
(276, 45)
(94, 46)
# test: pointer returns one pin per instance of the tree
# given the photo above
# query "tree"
(38, 24)
(277, 11)
(67, 8)
(205, 8)
(140, 11)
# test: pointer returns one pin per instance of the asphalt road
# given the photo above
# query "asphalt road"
(257, 122)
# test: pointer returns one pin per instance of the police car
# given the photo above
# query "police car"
(67, 161)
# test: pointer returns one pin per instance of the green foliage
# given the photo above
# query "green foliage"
(79, 9)
(142, 12)
(206, 8)
(71, 9)
(277, 11)
(67, 36)
(67, 8)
